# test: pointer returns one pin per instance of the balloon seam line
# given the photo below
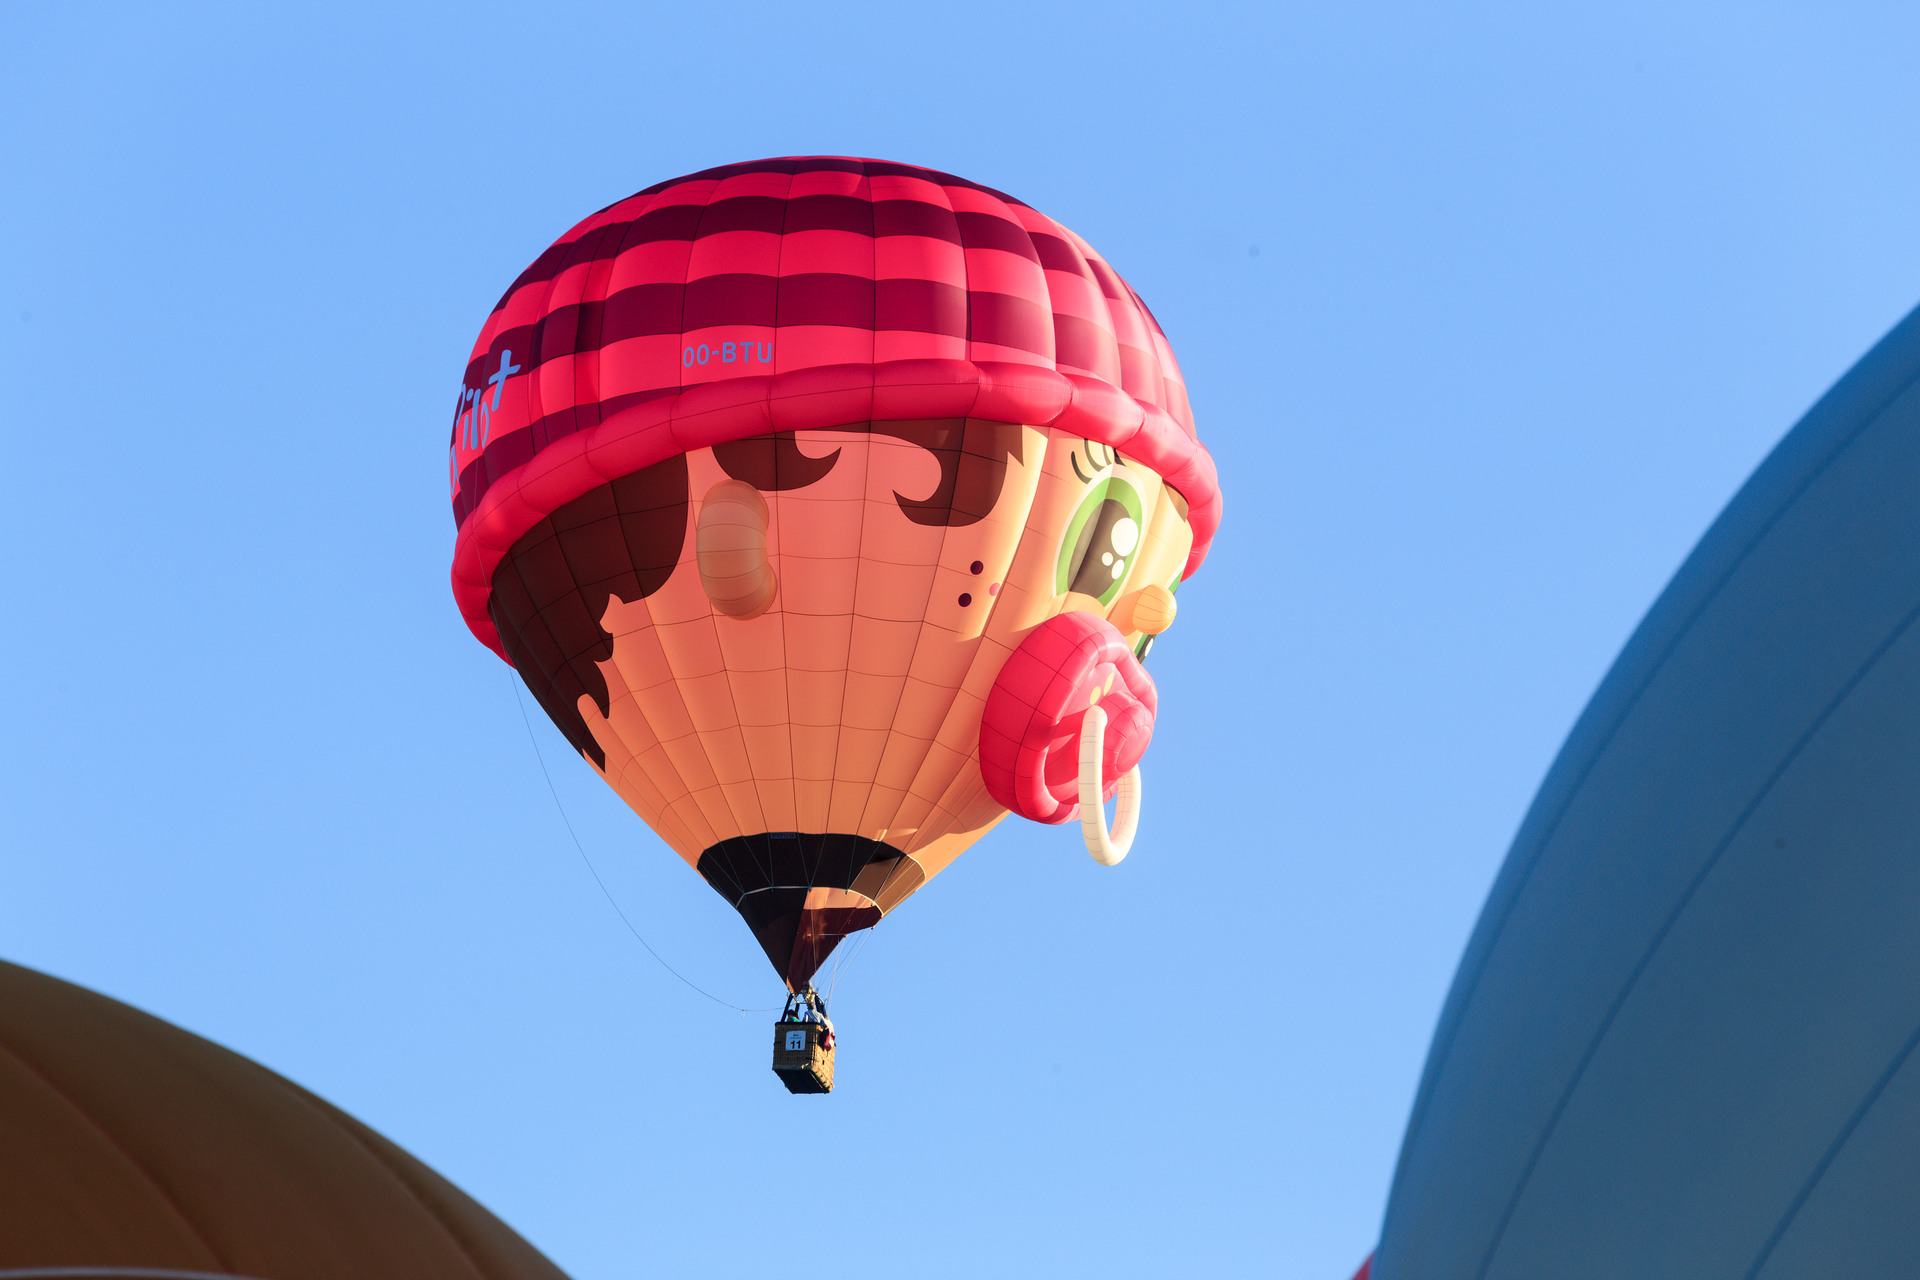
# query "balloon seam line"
(1451, 1014)
(1632, 981)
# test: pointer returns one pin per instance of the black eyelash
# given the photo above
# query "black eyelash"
(1094, 449)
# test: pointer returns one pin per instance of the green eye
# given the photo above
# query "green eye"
(1101, 540)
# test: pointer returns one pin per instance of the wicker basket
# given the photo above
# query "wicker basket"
(803, 1063)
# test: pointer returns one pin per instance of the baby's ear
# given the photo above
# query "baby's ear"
(730, 549)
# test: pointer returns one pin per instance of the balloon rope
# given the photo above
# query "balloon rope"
(594, 871)
(833, 983)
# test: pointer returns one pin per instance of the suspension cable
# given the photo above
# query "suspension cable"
(594, 871)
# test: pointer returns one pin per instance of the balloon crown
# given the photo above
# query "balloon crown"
(789, 294)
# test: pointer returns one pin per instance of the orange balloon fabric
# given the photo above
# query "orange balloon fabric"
(764, 473)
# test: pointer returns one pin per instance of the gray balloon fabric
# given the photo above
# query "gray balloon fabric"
(1681, 1040)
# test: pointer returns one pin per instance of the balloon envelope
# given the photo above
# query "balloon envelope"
(132, 1144)
(763, 474)
(1681, 1042)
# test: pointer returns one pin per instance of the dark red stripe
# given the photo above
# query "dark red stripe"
(1081, 343)
(556, 334)
(775, 216)
(742, 213)
(830, 213)
(826, 299)
(543, 267)
(915, 218)
(518, 340)
(1008, 321)
(827, 164)
(588, 326)
(1059, 255)
(730, 299)
(674, 222)
(922, 306)
(642, 310)
(780, 164)
(990, 231)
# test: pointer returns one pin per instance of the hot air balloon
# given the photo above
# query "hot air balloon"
(827, 506)
(1682, 1040)
(136, 1149)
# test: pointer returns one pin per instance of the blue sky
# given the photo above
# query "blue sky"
(1485, 311)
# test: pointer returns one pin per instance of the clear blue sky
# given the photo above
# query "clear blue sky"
(1485, 311)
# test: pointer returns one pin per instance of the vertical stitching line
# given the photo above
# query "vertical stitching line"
(1673, 917)
(13, 1052)
(1445, 1036)
(1833, 1152)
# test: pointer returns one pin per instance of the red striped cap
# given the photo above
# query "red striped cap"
(791, 294)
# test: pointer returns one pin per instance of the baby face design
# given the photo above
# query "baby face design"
(901, 564)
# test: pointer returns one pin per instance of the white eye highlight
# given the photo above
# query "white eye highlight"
(1126, 535)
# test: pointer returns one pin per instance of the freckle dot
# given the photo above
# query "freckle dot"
(977, 567)
(965, 599)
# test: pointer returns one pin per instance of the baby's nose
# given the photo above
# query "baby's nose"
(1149, 611)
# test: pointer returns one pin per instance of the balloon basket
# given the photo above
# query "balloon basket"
(803, 1057)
